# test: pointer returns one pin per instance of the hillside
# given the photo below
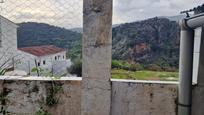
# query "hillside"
(152, 41)
(32, 34)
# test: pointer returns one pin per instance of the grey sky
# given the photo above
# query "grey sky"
(68, 13)
(131, 10)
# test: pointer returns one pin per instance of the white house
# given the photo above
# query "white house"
(49, 58)
(8, 43)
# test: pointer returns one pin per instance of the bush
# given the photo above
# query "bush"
(136, 67)
(119, 64)
(154, 67)
(76, 68)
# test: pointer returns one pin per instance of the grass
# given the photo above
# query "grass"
(144, 75)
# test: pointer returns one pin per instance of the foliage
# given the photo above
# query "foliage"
(144, 75)
(35, 34)
(2, 71)
(152, 41)
(46, 73)
(154, 67)
(76, 67)
(42, 112)
(3, 99)
(51, 98)
(120, 64)
(35, 69)
(4, 111)
(76, 51)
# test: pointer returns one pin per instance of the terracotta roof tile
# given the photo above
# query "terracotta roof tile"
(42, 50)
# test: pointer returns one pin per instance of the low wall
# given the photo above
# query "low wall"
(23, 96)
(143, 98)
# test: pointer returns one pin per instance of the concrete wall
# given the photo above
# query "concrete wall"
(143, 98)
(128, 97)
(25, 97)
(8, 45)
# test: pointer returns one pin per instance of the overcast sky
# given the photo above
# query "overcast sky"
(131, 10)
(68, 13)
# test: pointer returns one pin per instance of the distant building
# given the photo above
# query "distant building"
(8, 43)
(49, 58)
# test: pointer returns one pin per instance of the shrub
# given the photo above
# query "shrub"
(154, 67)
(136, 67)
(76, 68)
(119, 64)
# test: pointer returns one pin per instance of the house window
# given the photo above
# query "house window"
(55, 57)
(63, 57)
(44, 62)
(38, 63)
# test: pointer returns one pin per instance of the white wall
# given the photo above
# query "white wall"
(59, 66)
(196, 54)
(26, 61)
(8, 46)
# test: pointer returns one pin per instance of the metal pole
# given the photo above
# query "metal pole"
(185, 73)
(37, 68)
(29, 68)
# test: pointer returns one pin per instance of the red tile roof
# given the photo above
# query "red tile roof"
(42, 50)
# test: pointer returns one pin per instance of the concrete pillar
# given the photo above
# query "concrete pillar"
(97, 45)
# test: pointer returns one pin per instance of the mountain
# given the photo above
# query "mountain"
(174, 18)
(35, 34)
(152, 41)
(78, 30)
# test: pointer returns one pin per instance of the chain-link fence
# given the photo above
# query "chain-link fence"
(40, 37)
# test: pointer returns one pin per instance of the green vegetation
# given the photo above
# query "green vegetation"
(151, 41)
(3, 100)
(76, 67)
(144, 75)
(120, 64)
(141, 50)
(35, 34)
(2, 71)
(4, 111)
(42, 112)
(76, 51)
(51, 98)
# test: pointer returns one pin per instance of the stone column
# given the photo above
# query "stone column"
(97, 45)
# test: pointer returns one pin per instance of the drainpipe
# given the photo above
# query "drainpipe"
(186, 62)
(185, 69)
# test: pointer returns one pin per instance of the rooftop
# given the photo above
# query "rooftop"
(42, 50)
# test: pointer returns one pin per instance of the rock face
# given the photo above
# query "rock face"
(150, 41)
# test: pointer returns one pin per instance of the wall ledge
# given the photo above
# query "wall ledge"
(145, 81)
(35, 78)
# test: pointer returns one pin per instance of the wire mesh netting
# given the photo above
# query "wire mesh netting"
(40, 37)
